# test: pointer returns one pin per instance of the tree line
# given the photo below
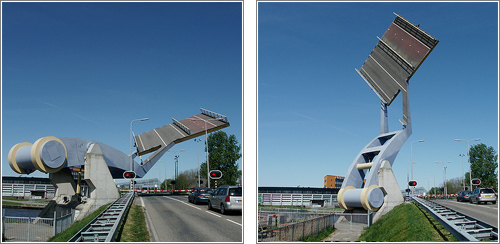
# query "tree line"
(484, 166)
(224, 151)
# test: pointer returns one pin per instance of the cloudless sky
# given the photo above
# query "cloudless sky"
(316, 113)
(87, 69)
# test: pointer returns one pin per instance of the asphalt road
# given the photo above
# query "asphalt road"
(173, 219)
(487, 213)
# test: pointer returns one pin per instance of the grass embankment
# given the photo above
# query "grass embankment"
(77, 226)
(135, 228)
(406, 222)
(320, 236)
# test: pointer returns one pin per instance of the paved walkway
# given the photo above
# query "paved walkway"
(346, 231)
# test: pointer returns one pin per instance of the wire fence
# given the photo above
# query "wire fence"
(298, 231)
(20, 229)
(298, 225)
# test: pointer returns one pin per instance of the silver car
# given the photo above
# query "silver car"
(226, 198)
(483, 195)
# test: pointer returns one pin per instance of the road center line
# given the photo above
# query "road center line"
(183, 202)
(234, 222)
(213, 214)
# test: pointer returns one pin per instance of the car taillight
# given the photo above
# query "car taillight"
(200, 195)
(227, 199)
(479, 195)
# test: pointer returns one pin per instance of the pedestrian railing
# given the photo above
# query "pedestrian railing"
(22, 229)
(298, 231)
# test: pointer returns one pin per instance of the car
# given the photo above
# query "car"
(485, 195)
(227, 198)
(199, 195)
(464, 196)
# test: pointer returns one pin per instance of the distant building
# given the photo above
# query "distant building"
(27, 187)
(332, 181)
(297, 196)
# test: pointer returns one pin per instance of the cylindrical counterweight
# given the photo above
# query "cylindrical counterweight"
(47, 154)
(370, 198)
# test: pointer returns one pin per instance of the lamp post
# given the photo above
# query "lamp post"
(131, 132)
(198, 152)
(434, 180)
(176, 158)
(131, 158)
(463, 177)
(468, 155)
(411, 161)
(206, 142)
(444, 175)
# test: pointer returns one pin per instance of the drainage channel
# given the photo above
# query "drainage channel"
(105, 226)
(463, 227)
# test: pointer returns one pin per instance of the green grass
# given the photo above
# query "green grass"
(77, 226)
(406, 222)
(12, 203)
(320, 236)
(135, 228)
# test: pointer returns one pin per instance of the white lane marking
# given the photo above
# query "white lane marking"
(160, 137)
(176, 129)
(150, 225)
(183, 202)
(234, 222)
(200, 209)
(213, 214)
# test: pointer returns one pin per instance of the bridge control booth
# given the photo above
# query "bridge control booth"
(101, 163)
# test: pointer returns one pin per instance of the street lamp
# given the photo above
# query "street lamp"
(468, 154)
(444, 175)
(434, 180)
(131, 133)
(411, 161)
(198, 152)
(463, 177)
(176, 157)
(206, 140)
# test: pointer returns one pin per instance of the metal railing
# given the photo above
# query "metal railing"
(105, 226)
(213, 114)
(64, 221)
(20, 229)
(463, 227)
(298, 231)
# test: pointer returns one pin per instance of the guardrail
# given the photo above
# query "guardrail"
(105, 226)
(463, 227)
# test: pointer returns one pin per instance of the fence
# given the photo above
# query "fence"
(36, 229)
(19, 229)
(298, 231)
(64, 220)
(302, 230)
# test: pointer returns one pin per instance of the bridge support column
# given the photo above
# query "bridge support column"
(387, 180)
(102, 188)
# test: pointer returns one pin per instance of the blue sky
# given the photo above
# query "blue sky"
(315, 113)
(87, 70)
